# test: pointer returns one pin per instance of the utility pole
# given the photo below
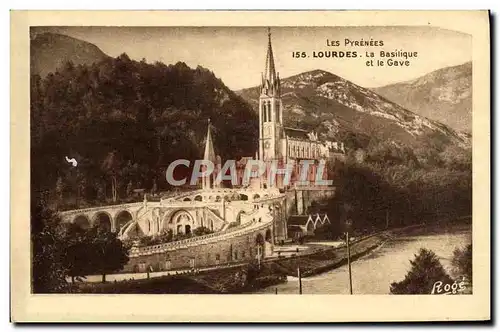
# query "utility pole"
(348, 226)
(300, 280)
(258, 254)
(386, 218)
(349, 262)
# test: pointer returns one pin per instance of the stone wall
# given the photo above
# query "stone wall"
(299, 200)
(238, 249)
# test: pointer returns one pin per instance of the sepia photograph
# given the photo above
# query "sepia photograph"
(251, 160)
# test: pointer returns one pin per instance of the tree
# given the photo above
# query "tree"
(129, 189)
(155, 188)
(48, 273)
(109, 254)
(81, 186)
(76, 255)
(100, 190)
(462, 261)
(59, 190)
(426, 269)
(110, 166)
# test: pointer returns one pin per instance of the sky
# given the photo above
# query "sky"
(237, 54)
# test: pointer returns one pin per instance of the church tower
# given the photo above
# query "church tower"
(270, 110)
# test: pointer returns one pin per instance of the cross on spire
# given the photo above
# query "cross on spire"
(270, 80)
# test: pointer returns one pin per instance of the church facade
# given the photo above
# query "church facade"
(285, 145)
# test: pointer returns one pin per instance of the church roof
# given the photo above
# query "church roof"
(298, 220)
(296, 133)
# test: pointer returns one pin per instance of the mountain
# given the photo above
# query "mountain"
(146, 115)
(339, 109)
(50, 51)
(444, 95)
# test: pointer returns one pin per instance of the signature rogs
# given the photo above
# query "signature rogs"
(457, 287)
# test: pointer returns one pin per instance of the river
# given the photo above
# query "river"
(373, 273)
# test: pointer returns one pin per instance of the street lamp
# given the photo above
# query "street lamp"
(348, 225)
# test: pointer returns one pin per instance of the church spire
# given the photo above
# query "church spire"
(209, 154)
(209, 147)
(270, 81)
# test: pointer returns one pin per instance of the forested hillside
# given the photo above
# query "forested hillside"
(124, 121)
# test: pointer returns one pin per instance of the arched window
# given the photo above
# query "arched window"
(264, 112)
(269, 118)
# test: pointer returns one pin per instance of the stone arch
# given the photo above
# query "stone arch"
(122, 218)
(243, 197)
(198, 198)
(187, 199)
(82, 221)
(180, 219)
(256, 196)
(103, 219)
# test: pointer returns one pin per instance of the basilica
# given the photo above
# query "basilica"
(240, 223)
(281, 144)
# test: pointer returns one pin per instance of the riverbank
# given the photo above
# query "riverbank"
(250, 278)
(245, 278)
(229, 280)
(373, 272)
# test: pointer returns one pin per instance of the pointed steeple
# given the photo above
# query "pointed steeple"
(209, 147)
(208, 180)
(270, 80)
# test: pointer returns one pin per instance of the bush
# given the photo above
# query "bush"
(202, 230)
(462, 261)
(425, 271)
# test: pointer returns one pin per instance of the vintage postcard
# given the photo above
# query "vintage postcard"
(250, 166)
